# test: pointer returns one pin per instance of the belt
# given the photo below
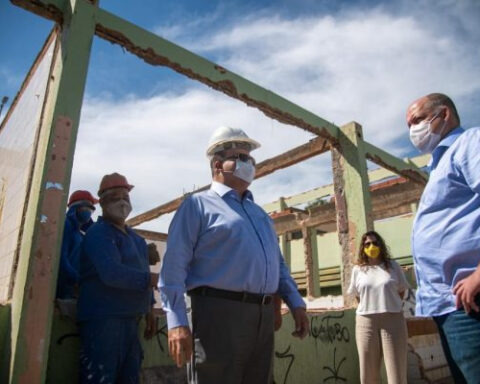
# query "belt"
(245, 297)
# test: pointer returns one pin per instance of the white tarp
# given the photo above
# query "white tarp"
(18, 139)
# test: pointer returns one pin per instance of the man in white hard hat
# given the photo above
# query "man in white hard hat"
(223, 251)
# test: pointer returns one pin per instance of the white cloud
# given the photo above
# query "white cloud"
(354, 65)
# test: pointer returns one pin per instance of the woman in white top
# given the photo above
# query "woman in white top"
(379, 284)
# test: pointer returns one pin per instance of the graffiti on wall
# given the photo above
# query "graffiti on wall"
(328, 333)
(329, 329)
(409, 303)
(334, 370)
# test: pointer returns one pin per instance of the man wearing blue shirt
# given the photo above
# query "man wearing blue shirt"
(223, 251)
(446, 231)
(115, 291)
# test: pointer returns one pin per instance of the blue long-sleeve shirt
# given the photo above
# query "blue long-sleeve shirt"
(114, 273)
(68, 272)
(446, 231)
(220, 240)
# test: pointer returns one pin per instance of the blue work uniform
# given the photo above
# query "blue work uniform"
(68, 272)
(114, 292)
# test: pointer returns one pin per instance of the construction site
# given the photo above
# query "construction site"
(318, 230)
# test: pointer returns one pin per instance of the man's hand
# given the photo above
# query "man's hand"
(466, 291)
(180, 345)
(153, 279)
(301, 322)
(150, 325)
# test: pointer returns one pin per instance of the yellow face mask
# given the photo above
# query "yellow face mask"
(372, 251)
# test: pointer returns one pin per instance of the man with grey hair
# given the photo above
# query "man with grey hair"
(223, 251)
(446, 231)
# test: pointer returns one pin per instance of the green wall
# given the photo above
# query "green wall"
(396, 232)
(327, 355)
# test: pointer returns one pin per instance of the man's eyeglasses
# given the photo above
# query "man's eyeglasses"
(368, 243)
(242, 157)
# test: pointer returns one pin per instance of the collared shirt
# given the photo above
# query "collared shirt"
(114, 273)
(446, 231)
(220, 240)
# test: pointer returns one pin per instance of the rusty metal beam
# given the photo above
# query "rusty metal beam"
(296, 155)
(394, 164)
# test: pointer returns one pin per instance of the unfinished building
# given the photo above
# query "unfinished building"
(40, 345)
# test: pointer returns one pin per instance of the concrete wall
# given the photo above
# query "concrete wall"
(327, 355)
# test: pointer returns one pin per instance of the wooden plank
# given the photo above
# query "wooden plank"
(312, 148)
(151, 235)
(394, 164)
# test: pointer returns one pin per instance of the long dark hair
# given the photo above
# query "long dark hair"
(384, 256)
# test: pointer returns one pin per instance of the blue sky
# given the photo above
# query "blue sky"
(343, 60)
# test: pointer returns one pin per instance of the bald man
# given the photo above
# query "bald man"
(446, 231)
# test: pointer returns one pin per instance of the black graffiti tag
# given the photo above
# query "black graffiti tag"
(328, 329)
(286, 355)
(161, 331)
(335, 370)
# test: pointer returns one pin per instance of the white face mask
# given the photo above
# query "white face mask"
(423, 138)
(119, 209)
(244, 170)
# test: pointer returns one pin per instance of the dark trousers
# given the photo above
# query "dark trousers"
(110, 351)
(460, 335)
(233, 342)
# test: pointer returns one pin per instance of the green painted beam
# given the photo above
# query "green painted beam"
(352, 197)
(327, 190)
(35, 280)
(312, 233)
(301, 198)
(49, 9)
(158, 51)
(394, 164)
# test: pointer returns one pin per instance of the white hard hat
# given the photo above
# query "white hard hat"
(226, 137)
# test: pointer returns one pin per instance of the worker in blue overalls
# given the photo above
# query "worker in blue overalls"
(115, 291)
(77, 221)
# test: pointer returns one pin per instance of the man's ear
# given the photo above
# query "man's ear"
(217, 165)
(445, 113)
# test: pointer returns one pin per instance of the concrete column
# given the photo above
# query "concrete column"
(311, 261)
(352, 197)
(36, 276)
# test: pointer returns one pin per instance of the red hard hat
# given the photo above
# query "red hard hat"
(78, 196)
(114, 180)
